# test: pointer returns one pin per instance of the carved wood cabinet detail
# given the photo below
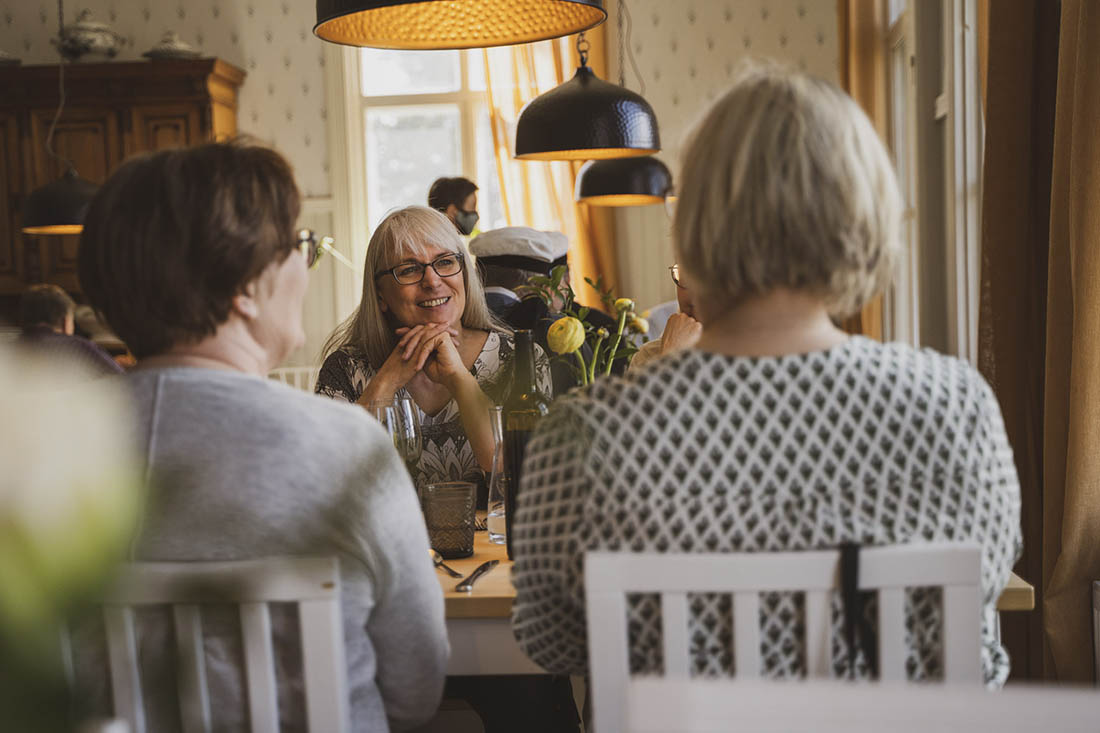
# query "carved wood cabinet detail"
(112, 111)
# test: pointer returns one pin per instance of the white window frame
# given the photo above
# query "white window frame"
(901, 318)
(964, 149)
(347, 109)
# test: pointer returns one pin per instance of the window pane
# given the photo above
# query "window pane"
(894, 10)
(384, 72)
(475, 67)
(407, 149)
(489, 203)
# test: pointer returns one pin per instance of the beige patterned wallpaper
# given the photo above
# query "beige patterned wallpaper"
(283, 98)
(687, 52)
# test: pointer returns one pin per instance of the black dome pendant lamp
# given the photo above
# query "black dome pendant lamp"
(639, 181)
(58, 207)
(586, 118)
(446, 24)
(623, 182)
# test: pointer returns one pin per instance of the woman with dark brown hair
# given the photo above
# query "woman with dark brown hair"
(193, 258)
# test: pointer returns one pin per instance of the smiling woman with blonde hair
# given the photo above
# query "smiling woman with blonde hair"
(423, 331)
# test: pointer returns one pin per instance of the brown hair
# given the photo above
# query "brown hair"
(44, 305)
(173, 236)
(445, 191)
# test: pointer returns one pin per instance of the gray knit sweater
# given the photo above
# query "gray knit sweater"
(244, 467)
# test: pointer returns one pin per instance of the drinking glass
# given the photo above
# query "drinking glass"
(385, 413)
(449, 516)
(498, 482)
(412, 438)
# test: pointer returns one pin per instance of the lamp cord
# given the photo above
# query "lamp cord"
(60, 88)
(624, 46)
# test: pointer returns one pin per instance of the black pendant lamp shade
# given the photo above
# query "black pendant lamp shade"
(623, 182)
(586, 118)
(439, 24)
(58, 207)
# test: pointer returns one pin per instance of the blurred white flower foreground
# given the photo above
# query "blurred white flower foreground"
(70, 488)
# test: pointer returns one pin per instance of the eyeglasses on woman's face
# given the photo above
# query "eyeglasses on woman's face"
(411, 273)
(312, 246)
(674, 270)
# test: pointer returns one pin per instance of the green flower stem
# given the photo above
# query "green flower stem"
(615, 343)
(595, 358)
(584, 369)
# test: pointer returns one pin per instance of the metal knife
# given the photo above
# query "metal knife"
(468, 584)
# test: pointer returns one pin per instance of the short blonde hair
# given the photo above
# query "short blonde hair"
(785, 184)
(405, 232)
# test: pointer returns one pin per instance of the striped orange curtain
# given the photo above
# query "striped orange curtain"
(862, 42)
(540, 194)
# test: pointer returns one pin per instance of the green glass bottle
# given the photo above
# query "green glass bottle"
(523, 408)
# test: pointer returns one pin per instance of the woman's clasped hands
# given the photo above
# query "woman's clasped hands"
(431, 348)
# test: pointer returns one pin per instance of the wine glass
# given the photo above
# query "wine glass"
(386, 413)
(411, 437)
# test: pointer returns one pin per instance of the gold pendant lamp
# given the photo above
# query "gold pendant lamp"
(448, 24)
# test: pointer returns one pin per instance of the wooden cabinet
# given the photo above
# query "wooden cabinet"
(112, 111)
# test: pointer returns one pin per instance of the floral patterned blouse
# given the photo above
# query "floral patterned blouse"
(446, 454)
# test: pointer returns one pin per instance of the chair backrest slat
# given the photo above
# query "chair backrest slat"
(818, 622)
(746, 634)
(891, 633)
(311, 583)
(961, 647)
(194, 699)
(324, 668)
(674, 620)
(122, 653)
(889, 571)
(259, 667)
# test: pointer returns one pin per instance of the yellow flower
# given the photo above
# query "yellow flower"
(565, 335)
(637, 324)
(602, 333)
(624, 304)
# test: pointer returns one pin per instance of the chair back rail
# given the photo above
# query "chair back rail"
(824, 706)
(888, 570)
(312, 583)
(304, 378)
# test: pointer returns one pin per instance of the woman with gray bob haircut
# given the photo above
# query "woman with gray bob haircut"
(777, 431)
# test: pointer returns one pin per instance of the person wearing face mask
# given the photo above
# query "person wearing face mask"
(457, 199)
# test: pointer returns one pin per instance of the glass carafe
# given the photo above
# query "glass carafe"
(498, 481)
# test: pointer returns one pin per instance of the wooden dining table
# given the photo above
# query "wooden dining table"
(479, 622)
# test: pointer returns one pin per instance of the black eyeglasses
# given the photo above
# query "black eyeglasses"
(410, 273)
(674, 270)
(312, 247)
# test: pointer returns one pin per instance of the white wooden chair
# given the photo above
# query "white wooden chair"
(304, 378)
(312, 583)
(713, 705)
(956, 568)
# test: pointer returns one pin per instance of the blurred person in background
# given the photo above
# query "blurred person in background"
(681, 330)
(46, 317)
(456, 198)
(193, 258)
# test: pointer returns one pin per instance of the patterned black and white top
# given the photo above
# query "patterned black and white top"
(699, 452)
(446, 453)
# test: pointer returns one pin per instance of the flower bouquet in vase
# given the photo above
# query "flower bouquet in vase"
(593, 349)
